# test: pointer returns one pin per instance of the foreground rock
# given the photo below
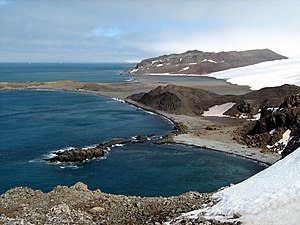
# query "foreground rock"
(198, 62)
(81, 154)
(78, 205)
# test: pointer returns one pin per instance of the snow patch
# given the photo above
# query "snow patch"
(262, 75)
(184, 69)
(283, 141)
(219, 110)
(134, 70)
(159, 65)
(194, 63)
(209, 60)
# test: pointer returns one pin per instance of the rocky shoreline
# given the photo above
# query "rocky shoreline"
(194, 126)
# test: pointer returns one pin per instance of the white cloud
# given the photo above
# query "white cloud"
(131, 29)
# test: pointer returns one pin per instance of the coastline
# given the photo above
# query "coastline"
(226, 145)
(198, 136)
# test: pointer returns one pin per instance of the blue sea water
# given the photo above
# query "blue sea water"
(35, 123)
(83, 72)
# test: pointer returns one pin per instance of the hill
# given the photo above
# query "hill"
(199, 62)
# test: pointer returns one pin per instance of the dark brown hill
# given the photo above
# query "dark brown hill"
(198, 62)
(192, 101)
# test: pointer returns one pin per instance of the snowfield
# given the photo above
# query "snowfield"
(271, 197)
(266, 74)
(219, 110)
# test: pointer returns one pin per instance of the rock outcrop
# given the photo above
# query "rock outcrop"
(271, 127)
(79, 205)
(198, 62)
(82, 154)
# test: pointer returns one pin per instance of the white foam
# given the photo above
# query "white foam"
(117, 145)
(89, 147)
(130, 80)
(118, 99)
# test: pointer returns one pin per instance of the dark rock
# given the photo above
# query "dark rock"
(80, 155)
(141, 139)
(291, 101)
(245, 107)
(283, 118)
(180, 128)
(265, 112)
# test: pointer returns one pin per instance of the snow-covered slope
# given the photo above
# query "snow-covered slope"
(269, 197)
(266, 74)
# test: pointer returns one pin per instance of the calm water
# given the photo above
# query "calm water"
(84, 72)
(34, 123)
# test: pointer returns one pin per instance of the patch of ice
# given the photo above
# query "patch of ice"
(219, 110)
(262, 75)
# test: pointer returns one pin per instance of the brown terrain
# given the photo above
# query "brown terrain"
(198, 62)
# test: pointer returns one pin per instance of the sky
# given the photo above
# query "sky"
(131, 30)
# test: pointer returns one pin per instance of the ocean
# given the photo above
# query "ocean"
(34, 123)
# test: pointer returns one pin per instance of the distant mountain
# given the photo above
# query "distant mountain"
(198, 62)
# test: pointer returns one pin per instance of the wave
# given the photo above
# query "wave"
(130, 80)
(119, 100)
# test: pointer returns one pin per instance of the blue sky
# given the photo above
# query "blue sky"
(130, 30)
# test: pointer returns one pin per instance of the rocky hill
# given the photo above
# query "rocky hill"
(192, 101)
(198, 62)
(79, 205)
(276, 130)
